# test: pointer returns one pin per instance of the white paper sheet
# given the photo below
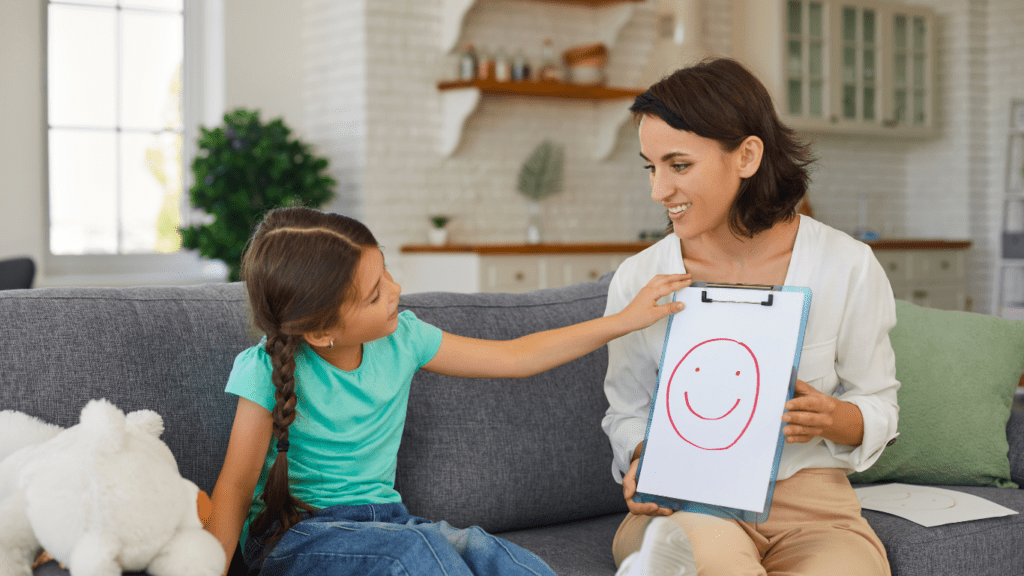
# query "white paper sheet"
(723, 383)
(927, 505)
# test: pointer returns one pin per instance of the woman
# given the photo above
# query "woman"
(730, 176)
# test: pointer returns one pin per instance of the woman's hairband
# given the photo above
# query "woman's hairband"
(648, 103)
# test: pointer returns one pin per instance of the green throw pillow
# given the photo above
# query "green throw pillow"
(958, 372)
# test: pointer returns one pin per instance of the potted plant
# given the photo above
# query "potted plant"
(540, 177)
(243, 169)
(438, 234)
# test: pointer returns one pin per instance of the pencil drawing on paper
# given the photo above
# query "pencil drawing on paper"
(712, 393)
(906, 500)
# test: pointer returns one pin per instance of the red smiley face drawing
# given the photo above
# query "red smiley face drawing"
(714, 391)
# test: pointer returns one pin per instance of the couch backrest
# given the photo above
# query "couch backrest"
(504, 454)
(498, 454)
(166, 349)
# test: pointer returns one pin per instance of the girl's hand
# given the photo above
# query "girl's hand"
(812, 414)
(629, 489)
(644, 310)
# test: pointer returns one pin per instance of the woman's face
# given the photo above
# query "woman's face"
(691, 176)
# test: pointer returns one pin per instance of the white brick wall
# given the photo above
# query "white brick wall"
(1006, 82)
(373, 108)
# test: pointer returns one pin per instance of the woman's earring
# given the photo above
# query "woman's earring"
(331, 345)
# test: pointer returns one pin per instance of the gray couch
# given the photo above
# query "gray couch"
(523, 458)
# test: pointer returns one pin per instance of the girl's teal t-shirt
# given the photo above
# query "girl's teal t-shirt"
(343, 444)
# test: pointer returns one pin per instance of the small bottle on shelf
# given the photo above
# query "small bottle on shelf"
(484, 65)
(502, 66)
(520, 66)
(467, 63)
(549, 70)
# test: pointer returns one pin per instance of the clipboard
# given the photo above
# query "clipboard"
(702, 452)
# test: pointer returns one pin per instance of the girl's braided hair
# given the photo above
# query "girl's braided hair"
(298, 271)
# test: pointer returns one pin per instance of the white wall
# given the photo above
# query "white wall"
(939, 187)
(358, 78)
(1005, 82)
(263, 58)
(22, 146)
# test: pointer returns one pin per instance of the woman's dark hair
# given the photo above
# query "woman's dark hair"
(721, 100)
(298, 271)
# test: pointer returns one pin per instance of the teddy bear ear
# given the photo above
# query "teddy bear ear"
(148, 421)
(104, 423)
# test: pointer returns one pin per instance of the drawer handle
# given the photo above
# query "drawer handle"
(594, 274)
(920, 294)
(945, 265)
(520, 276)
(893, 266)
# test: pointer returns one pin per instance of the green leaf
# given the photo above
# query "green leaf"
(541, 173)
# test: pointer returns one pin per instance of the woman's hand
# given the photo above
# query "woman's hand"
(812, 414)
(629, 489)
(644, 310)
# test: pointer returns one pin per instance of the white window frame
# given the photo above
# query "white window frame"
(203, 73)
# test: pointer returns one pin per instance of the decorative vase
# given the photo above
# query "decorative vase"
(534, 223)
(437, 236)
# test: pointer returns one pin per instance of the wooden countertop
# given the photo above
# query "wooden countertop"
(634, 247)
(595, 248)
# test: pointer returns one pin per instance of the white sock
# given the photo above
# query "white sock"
(665, 551)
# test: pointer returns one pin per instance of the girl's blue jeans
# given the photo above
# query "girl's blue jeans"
(383, 539)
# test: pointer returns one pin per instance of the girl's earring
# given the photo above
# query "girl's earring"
(331, 345)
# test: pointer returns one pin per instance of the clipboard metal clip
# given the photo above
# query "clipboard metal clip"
(704, 298)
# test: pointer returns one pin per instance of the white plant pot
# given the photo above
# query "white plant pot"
(437, 236)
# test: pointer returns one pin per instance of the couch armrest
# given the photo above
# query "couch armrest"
(1015, 436)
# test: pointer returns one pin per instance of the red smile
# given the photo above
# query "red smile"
(686, 396)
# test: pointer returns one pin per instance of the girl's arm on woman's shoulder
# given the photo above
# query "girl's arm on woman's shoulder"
(232, 495)
(535, 353)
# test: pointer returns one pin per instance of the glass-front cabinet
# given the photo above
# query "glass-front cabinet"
(844, 66)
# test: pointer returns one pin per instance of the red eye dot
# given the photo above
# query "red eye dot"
(698, 370)
(737, 372)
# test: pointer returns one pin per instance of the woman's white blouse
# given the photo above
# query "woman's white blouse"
(846, 352)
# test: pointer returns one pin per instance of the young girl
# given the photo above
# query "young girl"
(330, 383)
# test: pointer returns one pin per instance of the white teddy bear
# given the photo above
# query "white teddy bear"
(101, 497)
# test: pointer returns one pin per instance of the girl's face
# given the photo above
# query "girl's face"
(691, 176)
(373, 313)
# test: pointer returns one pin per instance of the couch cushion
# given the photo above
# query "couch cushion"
(990, 547)
(1015, 436)
(957, 372)
(582, 548)
(505, 454)
(167, 349)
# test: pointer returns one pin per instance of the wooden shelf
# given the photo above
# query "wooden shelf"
(460, 98)
(634, 247)
(592, 248)
(910, 244)
(544, 89)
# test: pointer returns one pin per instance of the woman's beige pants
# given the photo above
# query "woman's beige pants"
(814, 529)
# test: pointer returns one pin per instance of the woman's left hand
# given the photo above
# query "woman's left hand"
(812, 414)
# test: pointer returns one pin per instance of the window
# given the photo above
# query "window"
(114, 86)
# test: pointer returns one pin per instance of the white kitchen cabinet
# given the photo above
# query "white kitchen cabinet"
(927, 273)
(842, 66)
(493, 268)
(930, 273)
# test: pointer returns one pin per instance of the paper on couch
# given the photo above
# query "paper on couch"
(927, 505)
